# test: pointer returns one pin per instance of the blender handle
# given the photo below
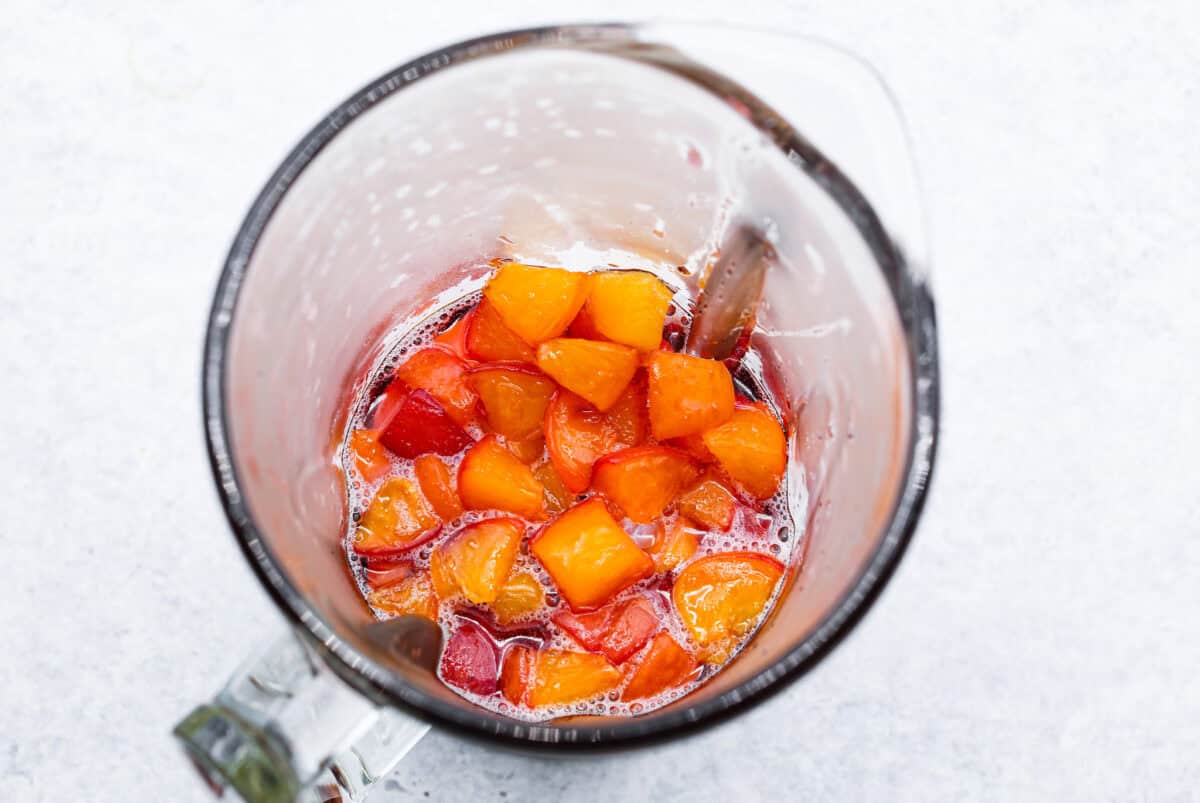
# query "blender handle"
(285, 728)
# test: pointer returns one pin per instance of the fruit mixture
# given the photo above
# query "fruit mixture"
(595, 520)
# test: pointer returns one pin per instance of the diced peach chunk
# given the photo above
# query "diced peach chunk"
(751, 448)
(588, 555)
(709, 503)
(583, 326)
(628, 306)
(664, 666)
(674, 544)
(720, 599)
(476, 561)
(520, 596)
(370, 458)
(535, 302)
(397, 520)
(538, 678)
(437, 484)
(577, 435)
(516, 673)
(687, 394)
(514, 398)
(412, 596)
(492, 478)
(558, 496)
(630, 416)
(694, 445)
(444, 376)
(618, 630)
(527, 450)
(596, 371)
(490, 340)
(644, 480)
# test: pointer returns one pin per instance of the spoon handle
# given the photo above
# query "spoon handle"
(728, 301)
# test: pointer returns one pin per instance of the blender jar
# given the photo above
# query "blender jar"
(636, 145)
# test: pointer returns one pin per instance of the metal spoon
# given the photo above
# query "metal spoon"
(728, 302)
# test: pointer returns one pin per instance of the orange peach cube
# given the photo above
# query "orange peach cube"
(674, 544)
(751, 448)
(412, 596)
(588, 555)
(709, 503)
(596, 371)
(536, 303)
(687, 394)
(628, 306)
(493, 478)
(538, 678)
(370, 458)
(398, 519)
(514, 398)
(644, 480)
(520, 596)
(476, 561)
(721, 597)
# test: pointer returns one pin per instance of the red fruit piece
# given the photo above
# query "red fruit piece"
(577, 435)
(384, 573)
(445, 377)
(644, 480)
(437, 485)
(490, 340)
(709, 504)
(469, 660)
(588, 555)
(618, 630)
(687, 394)
(535, 302)
(514, 398)
(386, 405)
(476, 561)
(751, 448)
(492, 478)
(369, 456)
(664, 666)
(596, 371)
(421, 426)
(397, 520)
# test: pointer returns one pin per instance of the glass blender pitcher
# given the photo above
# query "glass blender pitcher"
(636, 145)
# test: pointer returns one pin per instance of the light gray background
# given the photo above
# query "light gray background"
(1040, 641)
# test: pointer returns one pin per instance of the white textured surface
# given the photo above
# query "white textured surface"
(1041, 640)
